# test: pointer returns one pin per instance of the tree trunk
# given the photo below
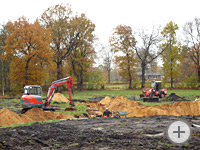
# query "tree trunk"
(198, 77)
(108, 76)
(81, 80)
(129, 73)
(81, 84)
(59, 73)
(2, 80)
(59, 70)
(130, 83)
(171, 80)
(171, 75)
(143, 75)
(26, 72)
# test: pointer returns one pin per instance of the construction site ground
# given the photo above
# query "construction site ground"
(94, 134)
(145, 127)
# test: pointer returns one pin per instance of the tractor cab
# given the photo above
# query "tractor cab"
(156, 85)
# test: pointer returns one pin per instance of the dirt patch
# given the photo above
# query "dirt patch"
(58, 97)
(8, 117)
(136, 109)
(109, 133)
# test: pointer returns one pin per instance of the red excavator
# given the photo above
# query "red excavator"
(32, 96)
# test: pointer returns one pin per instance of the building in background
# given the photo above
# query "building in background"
(150, 76)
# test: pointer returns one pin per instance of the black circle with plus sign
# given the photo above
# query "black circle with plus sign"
(178, 131)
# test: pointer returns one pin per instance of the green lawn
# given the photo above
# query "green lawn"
(84, 95)
(102, 93)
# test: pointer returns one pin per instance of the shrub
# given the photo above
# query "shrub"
(96, 81)
(136, 84)
(191, 82)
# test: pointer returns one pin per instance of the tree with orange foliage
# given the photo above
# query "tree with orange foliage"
(27, 46)
(124, 42)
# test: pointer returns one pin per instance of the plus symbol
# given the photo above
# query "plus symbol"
(179, 132)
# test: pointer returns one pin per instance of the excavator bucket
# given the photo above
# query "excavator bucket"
(150, 99)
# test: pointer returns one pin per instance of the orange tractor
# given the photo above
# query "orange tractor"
(154, 93)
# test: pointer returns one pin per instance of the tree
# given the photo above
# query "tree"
(187, 65)
(123, 41)
(96, 79)
(146, 53)
(58, 18)
(27, 46)
(171, 56)
(108, 57)
(192, 34)
(81, 58)
(4, 65)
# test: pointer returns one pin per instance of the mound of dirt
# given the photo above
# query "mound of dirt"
(177, 109)
(174, 97)
(135, 108)
(8, 117)
(105, 101)
(38, 114)
(114, 104)
(58, 97)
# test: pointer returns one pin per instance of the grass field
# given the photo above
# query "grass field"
(84, 95)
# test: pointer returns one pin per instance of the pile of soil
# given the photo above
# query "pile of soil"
(174, 97)
(135, 108)
(58, 97)
(8, 117)
(113, 104)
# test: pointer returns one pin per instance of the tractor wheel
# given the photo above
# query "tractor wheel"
(161, 94)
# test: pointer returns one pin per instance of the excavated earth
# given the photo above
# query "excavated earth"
(98, 134)
(144, 129)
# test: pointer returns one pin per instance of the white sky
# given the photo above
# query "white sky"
(107, 14)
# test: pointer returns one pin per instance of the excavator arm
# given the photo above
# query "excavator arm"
(57, 83)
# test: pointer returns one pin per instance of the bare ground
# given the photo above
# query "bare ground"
(98, 134)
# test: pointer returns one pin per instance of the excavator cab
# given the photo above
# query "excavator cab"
(32, 97)
(33, 90)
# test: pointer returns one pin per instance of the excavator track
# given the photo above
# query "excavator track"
(50, 108)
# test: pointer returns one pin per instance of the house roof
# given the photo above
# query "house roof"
(147, 73)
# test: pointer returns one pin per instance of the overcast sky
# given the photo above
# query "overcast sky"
(107, 14)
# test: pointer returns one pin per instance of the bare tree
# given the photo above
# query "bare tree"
(192, 34)
(108, 57)
(147, 53)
